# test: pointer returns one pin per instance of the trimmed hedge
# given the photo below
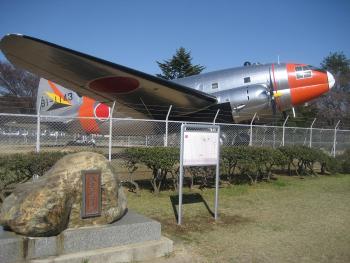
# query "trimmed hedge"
(254, 163)
(303, 158)
(17, 168)
(240, 164)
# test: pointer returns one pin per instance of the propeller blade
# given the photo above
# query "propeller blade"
(273, 102)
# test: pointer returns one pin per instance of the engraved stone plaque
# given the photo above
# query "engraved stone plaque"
(91, 206)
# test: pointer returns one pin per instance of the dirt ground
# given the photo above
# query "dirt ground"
(287, 220)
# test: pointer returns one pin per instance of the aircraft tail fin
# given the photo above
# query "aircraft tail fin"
(55, 100)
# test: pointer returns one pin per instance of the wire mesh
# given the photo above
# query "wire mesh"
(267, 136)
(18, 133)
(323, 139)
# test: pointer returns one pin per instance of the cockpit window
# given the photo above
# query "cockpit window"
(303, 72)
(316, 69)
(307, 74)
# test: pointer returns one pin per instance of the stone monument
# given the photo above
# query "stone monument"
(81, 189)
(78, 206)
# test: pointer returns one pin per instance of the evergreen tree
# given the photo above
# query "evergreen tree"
(337, 63)
(179, 66)
(335, 105)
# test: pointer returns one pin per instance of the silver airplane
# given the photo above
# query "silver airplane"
(232, 95)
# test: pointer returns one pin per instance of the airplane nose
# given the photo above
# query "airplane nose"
(331, 80)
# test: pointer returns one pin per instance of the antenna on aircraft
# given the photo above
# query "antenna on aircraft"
(278, 59)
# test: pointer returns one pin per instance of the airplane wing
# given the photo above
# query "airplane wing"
(103, 80)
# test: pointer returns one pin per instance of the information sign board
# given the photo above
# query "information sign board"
(200, 148)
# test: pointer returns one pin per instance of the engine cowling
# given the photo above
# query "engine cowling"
(247, 100)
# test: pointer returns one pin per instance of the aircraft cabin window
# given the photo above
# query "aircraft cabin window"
(247, 80)
(215, 85)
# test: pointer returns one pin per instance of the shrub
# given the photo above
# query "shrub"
(201, 175)
(19, 168)
(229, 159)
(160, 160)
(269, 158)
(306, 160)
(254, 163)
(328, 163)
(344, 162)
(131, 160)
(292, 154)
(303, 159)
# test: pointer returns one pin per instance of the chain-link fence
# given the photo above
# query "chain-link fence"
(25, 133)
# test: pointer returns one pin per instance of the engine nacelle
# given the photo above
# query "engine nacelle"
(246, 101)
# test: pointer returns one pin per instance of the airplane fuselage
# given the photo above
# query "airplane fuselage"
(259, 88)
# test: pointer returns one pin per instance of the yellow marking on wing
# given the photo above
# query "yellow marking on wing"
(57, 99)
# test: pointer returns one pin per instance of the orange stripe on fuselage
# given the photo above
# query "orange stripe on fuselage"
(87, 110)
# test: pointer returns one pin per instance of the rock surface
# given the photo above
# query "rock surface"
(53, 202)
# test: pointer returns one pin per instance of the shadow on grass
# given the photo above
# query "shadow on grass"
(191, 198)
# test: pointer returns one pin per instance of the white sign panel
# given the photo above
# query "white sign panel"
(200, 148)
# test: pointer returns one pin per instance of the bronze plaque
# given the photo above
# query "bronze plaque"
(91, 193)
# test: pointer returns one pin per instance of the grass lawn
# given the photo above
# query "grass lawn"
(287, 220)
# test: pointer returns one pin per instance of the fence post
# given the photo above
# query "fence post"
(311, 127)
(335, 137)
(216, 115)
(37, 147)
(110, 132)
(251, 131)
(166, 127)
(284, 128)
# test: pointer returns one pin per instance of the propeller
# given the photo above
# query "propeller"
(273, 101)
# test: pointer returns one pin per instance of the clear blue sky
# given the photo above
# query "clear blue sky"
(220, 34)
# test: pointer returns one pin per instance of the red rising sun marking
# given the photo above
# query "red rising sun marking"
(102, 111)
(114, 84)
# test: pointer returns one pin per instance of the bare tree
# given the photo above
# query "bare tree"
(16, 82)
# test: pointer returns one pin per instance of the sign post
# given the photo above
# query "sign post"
(199, 147)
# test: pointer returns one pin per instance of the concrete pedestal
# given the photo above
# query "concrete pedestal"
(134, 237)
